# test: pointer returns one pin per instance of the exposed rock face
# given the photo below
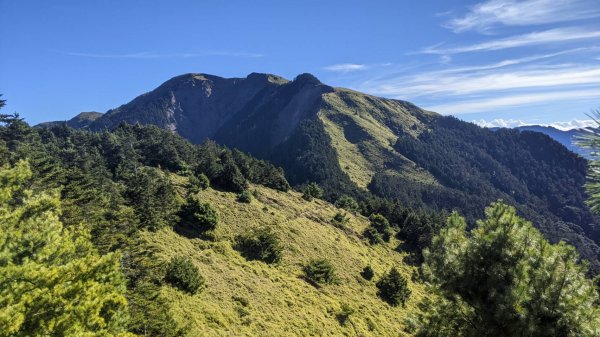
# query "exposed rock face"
(198, 106)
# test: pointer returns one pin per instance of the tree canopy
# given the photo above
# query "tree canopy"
(52, 280)
(504, 279)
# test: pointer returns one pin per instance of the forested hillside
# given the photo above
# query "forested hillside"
(371, 148)
(149, 197)
(139, 232)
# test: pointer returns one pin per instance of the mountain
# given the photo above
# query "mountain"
(81, 121)
(567, 138)
(365, 146)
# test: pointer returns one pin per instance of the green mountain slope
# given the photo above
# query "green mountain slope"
(191, 268)
(252, 298)
(357, 144)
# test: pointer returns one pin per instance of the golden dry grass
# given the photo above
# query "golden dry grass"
(378, 118)
(251, 298)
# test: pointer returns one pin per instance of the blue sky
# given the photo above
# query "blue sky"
(497, 62)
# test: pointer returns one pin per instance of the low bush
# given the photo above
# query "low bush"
(312, 190)
(381, 225)
(260, 244)
(344, 314)
(245, 197)
(197, 215)
(367, 273)
(319, 271)
(372, 235)
(339, 219)
(198, 183)
(183, 275)
(348, 203)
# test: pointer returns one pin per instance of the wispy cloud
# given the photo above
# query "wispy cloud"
(488, 14)
(512, 62)
(495, 103)
(345, 67)
(449, 83)
(556, 35)
(154, 55)
(512, 123)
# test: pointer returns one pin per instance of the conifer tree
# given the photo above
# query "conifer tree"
(52, 280)
(505, 279)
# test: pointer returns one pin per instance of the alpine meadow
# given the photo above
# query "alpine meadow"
(434, 175)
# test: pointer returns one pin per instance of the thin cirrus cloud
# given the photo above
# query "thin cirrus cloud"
(153, 55)
(352, 67)
(345, 67)
(489, 14)
(512, 62)
(556, 35)
(491, 104)
(455, 84)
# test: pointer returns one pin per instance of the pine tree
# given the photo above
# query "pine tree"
(52, 281)
(393, 288)
(505, 279)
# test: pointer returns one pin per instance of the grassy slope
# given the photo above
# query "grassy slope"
(279, 302)
(362, 131)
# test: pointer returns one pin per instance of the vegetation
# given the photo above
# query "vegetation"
(367, 273)
(348, 203)
(381, 225)
(311, 191)
(373, 236)
(339, 220)
(245, 197)
(260, 244)
(344, 314)
(393, 288)
(52, 280)
(198, 183)
(505, 279)
(183, 275)
(198, 215)
(319, 271)
(591, 141)
(129, 196)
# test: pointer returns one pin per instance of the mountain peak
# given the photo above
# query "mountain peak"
(307, 78)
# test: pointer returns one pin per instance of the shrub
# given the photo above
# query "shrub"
(261, 244)
(344, 314)
(245, 197)
(339, 219)
(198, 215)
(231, 178)
(381, 225)
(312, 190)
(372, 235)
(348, 203)
(183, 275)
(319, 271)
(393, 288)
(198, 183)
(367, 273)
(203, 181)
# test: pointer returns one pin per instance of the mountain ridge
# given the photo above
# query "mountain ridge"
(362, 145)
(568, 138)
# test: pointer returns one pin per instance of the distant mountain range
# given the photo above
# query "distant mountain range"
(366, 146)
(567, 138)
